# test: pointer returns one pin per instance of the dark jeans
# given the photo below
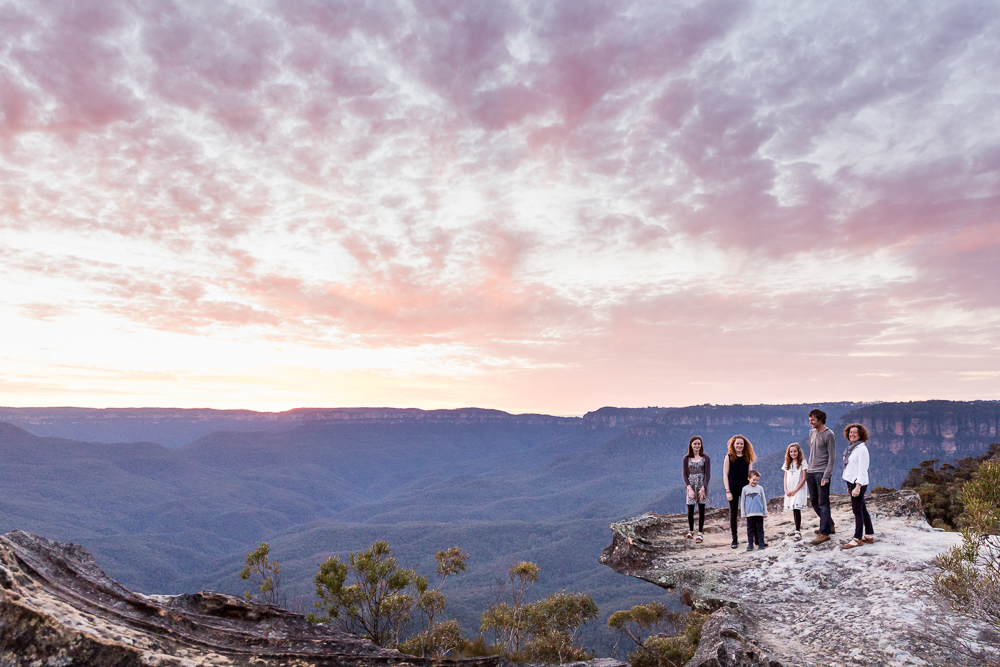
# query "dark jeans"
(862, 519)
(701, 517)
(755, 529)
(819, 498)
(734, 515)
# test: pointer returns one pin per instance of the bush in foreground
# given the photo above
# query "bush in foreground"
(969, 576)
(662, 638)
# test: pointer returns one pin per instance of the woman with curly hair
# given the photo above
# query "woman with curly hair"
(856, 475)
(735, 475)
(697, 471)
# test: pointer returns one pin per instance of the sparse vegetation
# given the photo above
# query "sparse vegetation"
(382, 600)
(969, 576)
(542, 631)
(552, 625)
(938, 488)
(265, 574)
(506, 620)
(376, 605)
(662, 638)
(436, 639)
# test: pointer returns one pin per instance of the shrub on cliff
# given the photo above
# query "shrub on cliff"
(506, 620)
(553, 623)
(265, 574)
(939, 487)
(437, 639)
(442, 639)
(671, 637)
(376, 605)
(969, 576)
(542, 631)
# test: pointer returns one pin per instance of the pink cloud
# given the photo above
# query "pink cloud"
(72, 62)
(240, 143)
(15, 105)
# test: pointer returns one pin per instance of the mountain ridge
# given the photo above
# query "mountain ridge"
(159, 516)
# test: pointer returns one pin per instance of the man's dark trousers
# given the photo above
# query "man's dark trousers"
(819, 498)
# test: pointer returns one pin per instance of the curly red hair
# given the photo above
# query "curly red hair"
(748, 454)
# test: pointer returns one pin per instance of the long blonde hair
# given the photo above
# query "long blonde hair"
(748, 454)
(800, 461)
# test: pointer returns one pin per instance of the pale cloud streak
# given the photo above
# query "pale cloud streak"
(531, 206)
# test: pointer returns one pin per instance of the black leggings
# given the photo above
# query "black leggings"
(798, 520)
(701, 517)
(862, 519)
(734, 515)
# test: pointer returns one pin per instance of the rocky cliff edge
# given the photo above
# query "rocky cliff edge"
(57, 607)
(804, 605)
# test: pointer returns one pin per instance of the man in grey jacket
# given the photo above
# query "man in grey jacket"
(822, 455)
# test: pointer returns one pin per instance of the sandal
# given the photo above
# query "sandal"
(869, 539)
(855, 542)
(797, 536)
(689, 536)
(699, 539)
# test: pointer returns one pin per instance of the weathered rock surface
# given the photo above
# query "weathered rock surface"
(799, 604)
(57, 607)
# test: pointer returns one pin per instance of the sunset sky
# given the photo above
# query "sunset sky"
(531, 206)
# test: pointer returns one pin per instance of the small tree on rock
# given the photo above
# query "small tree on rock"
(265, 574)
(375, 605)
(436, 639)
(507, 620)
(969, 576)
(543, 631)
(663, 638)
(553, 624)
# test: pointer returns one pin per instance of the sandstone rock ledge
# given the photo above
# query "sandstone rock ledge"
(795, 604)
(58, 608)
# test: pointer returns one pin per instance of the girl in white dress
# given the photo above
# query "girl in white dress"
(796, 498)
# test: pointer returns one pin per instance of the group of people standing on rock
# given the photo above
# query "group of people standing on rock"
(802, 478)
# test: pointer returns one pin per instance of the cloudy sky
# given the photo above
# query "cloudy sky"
(533, 206)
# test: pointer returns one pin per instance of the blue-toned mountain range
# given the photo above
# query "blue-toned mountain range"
(166, 517)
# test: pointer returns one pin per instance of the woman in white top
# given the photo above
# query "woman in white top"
(796, 498)
(856, 475)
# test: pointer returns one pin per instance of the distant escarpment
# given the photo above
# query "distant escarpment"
(173, 427)
(795, 604)
(413, 415)
(905, 434)
(609, 417)
(768, 427)
(928, 427)
(58, 608)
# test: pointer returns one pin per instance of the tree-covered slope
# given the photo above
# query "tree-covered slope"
(503, 487)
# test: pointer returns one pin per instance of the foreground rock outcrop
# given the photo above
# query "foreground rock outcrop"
(799, 604)
(57, 607)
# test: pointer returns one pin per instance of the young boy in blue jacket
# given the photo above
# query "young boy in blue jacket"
(753, 506)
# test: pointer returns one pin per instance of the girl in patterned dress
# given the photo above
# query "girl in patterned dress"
(697, 471)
